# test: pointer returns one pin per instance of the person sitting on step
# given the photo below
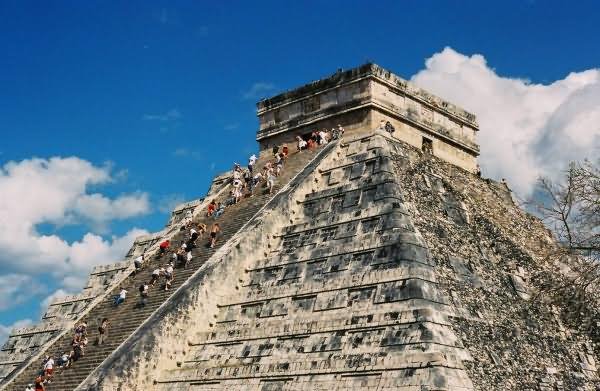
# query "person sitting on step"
(211, 208)
(301, 144)
(64, 360)
(221, 208)
(121, 296)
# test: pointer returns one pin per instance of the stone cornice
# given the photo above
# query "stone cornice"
(373, 71)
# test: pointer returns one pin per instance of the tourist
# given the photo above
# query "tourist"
(201, 229)
(389, 127)
(102, 330)
(314, 137)
(251, 163)
(323, 137)
(64, 360)
(478, 170)
(193, 235)
(168, 276)
(221, 209)
(143, 294)
(77, 344)
(213, 234)
(285, 151)
(237, 191)
(270, 180)
(164, 246)
(188, 259)
(138, 263)
(121, 296)
(29, 387)
(48, 368)
(255, 181)
(237, 173)
(39, 383)
(278, 164)
(211, 208)
(156, 275)
(301, 143)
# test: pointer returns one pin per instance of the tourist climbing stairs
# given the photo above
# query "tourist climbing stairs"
(128, 316)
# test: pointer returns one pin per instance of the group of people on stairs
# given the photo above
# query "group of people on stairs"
(244, 181)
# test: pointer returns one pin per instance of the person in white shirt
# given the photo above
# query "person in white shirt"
(48, 368)
(301, 143)
(156, 274)
(251, 163)
(270, 180)
(193, 234)
(143, 294)
(138, 263)
(64, 360)
(168, 276)
(121, 296)
(188, 259)
(323, 137)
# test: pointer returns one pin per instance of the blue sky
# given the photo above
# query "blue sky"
(158, 97)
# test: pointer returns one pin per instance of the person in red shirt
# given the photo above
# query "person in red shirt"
(211, 208)
(39, 384)
(164, 246)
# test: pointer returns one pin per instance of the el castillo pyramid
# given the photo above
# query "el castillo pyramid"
(381, 261)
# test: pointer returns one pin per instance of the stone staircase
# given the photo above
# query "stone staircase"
(127, 317)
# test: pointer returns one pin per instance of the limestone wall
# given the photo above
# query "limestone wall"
(358, 99)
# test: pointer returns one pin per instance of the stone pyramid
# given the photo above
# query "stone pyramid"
(382, 262)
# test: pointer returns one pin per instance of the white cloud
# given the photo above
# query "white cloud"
(5, 330)
(15, 289)
(54, 191)
(100, 209)
(53, 296)
(170, 115)
(259, 90)
(526, 129)
(167, 203)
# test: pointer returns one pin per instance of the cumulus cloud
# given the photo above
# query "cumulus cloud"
(259, 90)
(168, 202)
(55, 191)
(15, 289)
(526, 129)
(6, 329)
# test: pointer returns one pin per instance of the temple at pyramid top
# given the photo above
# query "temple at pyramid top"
(359, 99)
